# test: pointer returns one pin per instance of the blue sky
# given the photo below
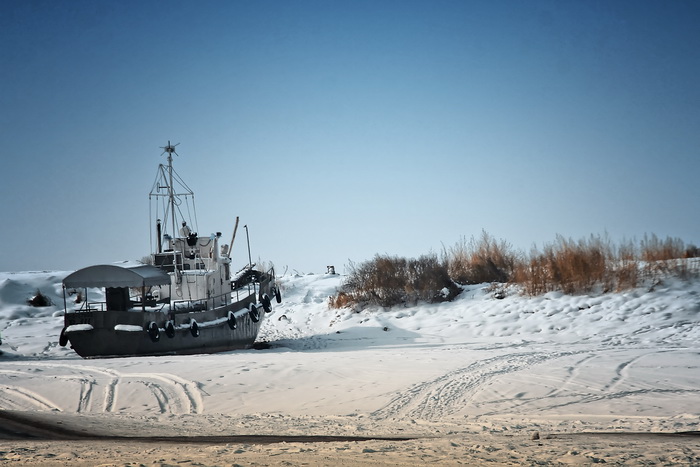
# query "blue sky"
(339, 130)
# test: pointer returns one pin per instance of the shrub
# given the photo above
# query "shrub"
(429, 281)
(485, 260)
(691, 251)
(654, 249)
(566, 265)
(387, 281)
(579, 267)
(626, 267)
(78, 295)
(340, 300)
(661, 257)
(533, 275)
(570, 266)
(40, 300)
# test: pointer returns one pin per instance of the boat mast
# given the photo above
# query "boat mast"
(170, 149)
(165, 191)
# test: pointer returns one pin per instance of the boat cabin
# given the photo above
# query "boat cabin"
(118, 281)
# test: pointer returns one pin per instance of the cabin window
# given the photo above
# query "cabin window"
(164, 261)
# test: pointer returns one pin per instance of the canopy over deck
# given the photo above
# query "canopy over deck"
(114, 275)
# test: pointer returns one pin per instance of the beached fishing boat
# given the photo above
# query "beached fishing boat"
(185, 301)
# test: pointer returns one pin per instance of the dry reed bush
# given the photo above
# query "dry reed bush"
(691, 251)
(533, 275)
(661, 257)
(626, 267)
(573, 267)
(483, 260)
(580, 267)
(387, 281)
(340, 300)
(654, 249)
(566, 265)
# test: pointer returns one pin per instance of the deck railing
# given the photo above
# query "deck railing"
(186, 306)
(180, 306)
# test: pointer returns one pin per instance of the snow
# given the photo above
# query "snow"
(118, 328)
(618, 361)
(88, 327)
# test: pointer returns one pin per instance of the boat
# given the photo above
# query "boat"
(183, 299)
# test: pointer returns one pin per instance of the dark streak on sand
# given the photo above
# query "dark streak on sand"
(675, 434)
(30, 426)
(18, 426)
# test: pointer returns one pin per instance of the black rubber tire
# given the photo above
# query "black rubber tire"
(254, 313)
(278, 295)
(170, 329)
(266, 303)
(63, 338)
(153, 331)
(232, 320)
(194, 328)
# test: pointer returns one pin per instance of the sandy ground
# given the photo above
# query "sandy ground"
(473, 450)
(60, 439)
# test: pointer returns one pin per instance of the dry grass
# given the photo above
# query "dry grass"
(567, 265)
(570, 266)
(662, 257)
(654, 249)
(576, 267)
(626, 267)
(482, 260)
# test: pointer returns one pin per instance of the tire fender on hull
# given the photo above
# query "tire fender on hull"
(153, 331)
(266, 303)
(278, 295)
(254, 313)
(170, 329)
(63, 338)
(194, 328)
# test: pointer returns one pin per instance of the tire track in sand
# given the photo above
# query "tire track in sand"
(622, 370)
(581, 394)
(451, 392)
(176, 396)
(172, 393)
(15, 395)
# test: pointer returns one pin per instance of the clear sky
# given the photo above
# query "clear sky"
(337, 130)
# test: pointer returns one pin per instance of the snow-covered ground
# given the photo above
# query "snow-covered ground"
(623, 361)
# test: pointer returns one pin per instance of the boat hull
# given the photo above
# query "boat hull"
(97, 334)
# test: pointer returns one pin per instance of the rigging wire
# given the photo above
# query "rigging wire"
(196, 222)
(160, 183)
(189, 214)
